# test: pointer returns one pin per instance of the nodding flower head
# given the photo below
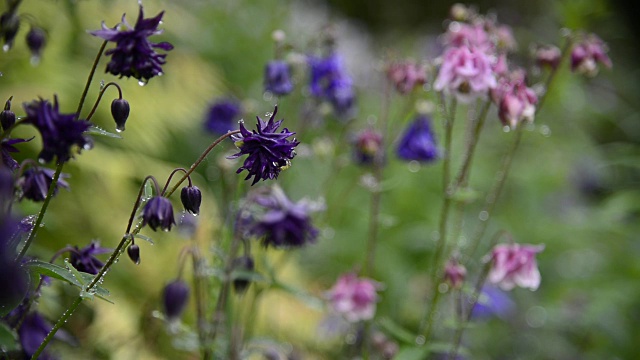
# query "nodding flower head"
(418, 142)
(454, 273)
(9, 26)
(61, 133)
(279, 222)
(588, 53)
(269, 151)
(134, 55)
(34, 183)
(158, 213)
(330, 81)
(84, 259)
(355, 298)
(277, 77)
(367, 147)
(515, 265)
(467, 72)
(222, 116)
(175, 297)
(191, 198)
(407, 75)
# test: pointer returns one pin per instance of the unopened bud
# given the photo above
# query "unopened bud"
(243, 263)
(191, 198)
(120, 112)
(175, 297)
(7, 117)
(9, 25)
(36, 40)
(134, 253)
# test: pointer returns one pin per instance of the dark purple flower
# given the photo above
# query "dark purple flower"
(7, 187)
(418, 142)
(281, 223)
(134, 54)
(9, 25)
(191, 198)
(175, 297)
(120, 112)
(84, 259)
(32, 332)
(60, 132)
(242, 263)
(158, 213)
(330, 81)
(269, 152)
(35, 183)
(7, 117)
(222, 116)
(13, 277)
(367, 146)
(134, 253)
(277, 77)
(6, 148)
(36, 40)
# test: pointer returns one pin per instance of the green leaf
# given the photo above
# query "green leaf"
(397, 331)
(73, 277)
(145, 238)
(74, 272)
(94, 130)
(8, 339)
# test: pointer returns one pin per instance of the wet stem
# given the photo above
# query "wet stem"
(126, 239)
(56, 175)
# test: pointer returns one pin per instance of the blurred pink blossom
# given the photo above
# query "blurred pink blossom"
(515, 265)
(406, 75)
(587, 54)
(355, 298)
(466, 72)
(454, 273)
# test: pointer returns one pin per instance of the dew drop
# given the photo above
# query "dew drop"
(420, 340)
(160, 73)
(41, 161)
(413, 166)
(268, 114)
(119, 130)
(6, 47)
(545, 131)
(506, 128)
(484, 215)
(142, 82)
(35, 60)
(267, 96)
(443, 288)
(241, 121)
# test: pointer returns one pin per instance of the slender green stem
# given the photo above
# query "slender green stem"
(90, 78)
(427, 320)
(463, 174)
(199, 160)
(95, 105)
(43, 209)
(67, 314)
(218, 314)
(565, 53)
(200, 297)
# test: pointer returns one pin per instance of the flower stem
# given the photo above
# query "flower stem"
(199, 160)
(95, 105)
(43, 209)
(90, 78)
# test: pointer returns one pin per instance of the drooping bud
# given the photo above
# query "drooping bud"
(7, 117)
(175, 297)
(191, 198)
(36, 40)
(9, 25)
(120, 112)
(454, 273)
(158, 213)
(134, 253)
(242, 263)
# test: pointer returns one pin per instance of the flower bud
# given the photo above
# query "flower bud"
(36, 40)
(191, 198)
(120, 112)
(243, 263)
(158, 213)
(9, 25)
(7, 117)
(134, 253)
(454, 273)
(175, 297)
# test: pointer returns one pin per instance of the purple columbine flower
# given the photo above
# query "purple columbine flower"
(418, 142)
(330, 81)
(280, 223)
(13, 277)
(492, 302)
(35, 183)
(7, 117)
(466, 72)
(277, 77)
(175, 297)
(60, 132)
(134, 55)
(191, 198)
(355, 298)
(158, 213)
(515, 265)
(84, 259)
(222, 116)
(32, 332)
(6, 148)
(269, 152)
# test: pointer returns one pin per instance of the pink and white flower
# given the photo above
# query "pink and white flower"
(587, 54)
(466, 72)
(515, 265)
(355, 298)
(516, 102)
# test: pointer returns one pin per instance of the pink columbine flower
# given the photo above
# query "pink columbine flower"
(548, 55)
(515, 265)
(454, 273)
(355, 298)
(516, 102)
(587, 54)
(463, 34)
(407, 75)
(466, 72)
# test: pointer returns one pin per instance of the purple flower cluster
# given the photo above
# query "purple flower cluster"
(330, 82)
(134, 55)
(60, 132)
(418, 142)
(281, 223)
(269, 151)
(35, 183)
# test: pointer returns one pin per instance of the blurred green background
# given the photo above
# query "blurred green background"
(573, 185)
